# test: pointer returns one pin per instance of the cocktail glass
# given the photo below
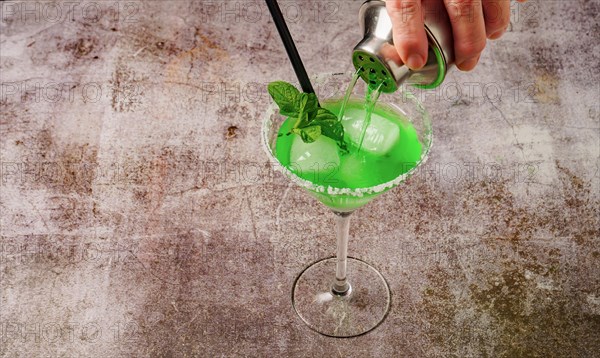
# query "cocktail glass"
(344, 296)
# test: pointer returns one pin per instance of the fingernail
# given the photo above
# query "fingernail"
(415, 62)
(496, 35)
(469, 64)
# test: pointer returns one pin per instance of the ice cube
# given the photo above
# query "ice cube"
(318, 157)
(359, 172)
(381, 134)
(355, 171)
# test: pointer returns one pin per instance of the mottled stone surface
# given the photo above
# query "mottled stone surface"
(138, 217)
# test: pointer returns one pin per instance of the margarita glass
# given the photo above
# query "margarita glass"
(343, 296)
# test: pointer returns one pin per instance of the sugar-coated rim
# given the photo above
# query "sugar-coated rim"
(267, 123)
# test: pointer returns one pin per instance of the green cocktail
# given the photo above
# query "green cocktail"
(390, 148)
(344, 162)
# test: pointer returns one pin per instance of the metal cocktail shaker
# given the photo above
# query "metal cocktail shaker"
(379, 60)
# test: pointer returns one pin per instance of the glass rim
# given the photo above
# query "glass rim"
(335, 191)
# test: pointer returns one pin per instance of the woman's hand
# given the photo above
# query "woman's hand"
(473, 22)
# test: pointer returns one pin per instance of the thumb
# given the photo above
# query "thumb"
(409, 35)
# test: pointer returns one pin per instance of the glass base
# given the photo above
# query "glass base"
(357, 312)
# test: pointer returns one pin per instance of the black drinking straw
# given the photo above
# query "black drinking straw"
(290, 47)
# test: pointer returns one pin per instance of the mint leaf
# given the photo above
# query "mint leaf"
(330, 126)
(308, 134)
(302, 101)
(312, 106)
(311, 120)
(325, 114)
(286, 97)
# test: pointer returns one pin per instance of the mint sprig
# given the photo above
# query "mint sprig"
(312, 121)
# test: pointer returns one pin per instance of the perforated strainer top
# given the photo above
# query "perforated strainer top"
(374, 72)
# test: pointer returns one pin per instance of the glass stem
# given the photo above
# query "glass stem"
(341, 286)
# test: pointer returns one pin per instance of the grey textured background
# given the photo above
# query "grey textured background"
(139, 217)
